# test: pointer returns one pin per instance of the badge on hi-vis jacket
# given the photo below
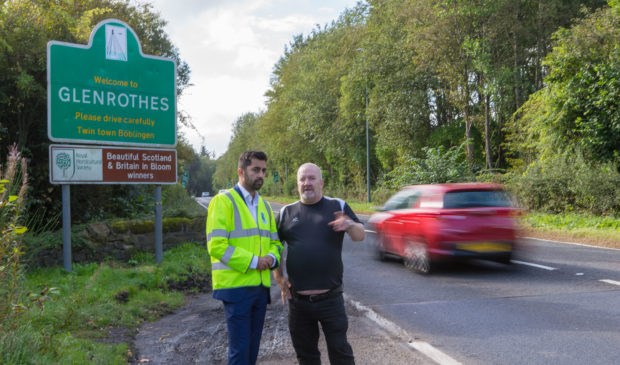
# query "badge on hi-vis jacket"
(262, 216)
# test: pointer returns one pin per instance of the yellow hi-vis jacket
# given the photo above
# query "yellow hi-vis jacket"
(234, 238)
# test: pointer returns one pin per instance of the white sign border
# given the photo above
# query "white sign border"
(88, 46)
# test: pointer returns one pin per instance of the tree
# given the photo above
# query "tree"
(579, 104)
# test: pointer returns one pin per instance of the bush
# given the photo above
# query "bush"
(567, 183)
(13, 185)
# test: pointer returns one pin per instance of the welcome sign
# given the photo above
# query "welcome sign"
(108, 92)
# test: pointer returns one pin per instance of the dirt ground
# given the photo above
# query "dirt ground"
(196, 334)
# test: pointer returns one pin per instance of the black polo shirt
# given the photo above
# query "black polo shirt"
(314, 259)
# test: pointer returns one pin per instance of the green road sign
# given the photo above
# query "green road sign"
(185, 178)
(108, 92)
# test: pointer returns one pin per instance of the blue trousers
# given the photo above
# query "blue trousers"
(245, 319)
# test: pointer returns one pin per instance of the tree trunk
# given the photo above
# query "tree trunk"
(539, 33)
(516, 69)
(487, 133)
(469, 147)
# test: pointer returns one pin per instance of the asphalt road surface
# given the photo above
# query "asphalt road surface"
(558, 303)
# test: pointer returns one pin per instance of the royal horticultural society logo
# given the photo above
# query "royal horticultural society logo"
(75, 164)
(63, 161)
(109, 92)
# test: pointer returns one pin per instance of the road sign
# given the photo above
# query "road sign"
(184, 178)
(108, 92)
(111, 165)
(276, 177)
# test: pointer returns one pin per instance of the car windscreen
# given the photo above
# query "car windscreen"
(476, 199)
(402, 200)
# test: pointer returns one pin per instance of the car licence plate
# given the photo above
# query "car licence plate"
(485, 247)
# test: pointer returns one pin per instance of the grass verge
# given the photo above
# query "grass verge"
(578, 228)
(91, 315)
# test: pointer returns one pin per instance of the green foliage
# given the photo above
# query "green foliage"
(579, 105)
(572, 221)
(436, 73)
(176, 202)
(566, 183)
(13, 185)
(438, 166)
(63, 324)
(200, 172)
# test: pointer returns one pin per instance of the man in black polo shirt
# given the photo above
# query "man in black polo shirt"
(313, 229)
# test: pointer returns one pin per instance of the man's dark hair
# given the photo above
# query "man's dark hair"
(246, 157)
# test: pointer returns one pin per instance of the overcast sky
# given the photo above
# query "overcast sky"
(231, 47)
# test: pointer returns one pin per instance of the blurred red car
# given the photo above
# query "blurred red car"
(427, 223)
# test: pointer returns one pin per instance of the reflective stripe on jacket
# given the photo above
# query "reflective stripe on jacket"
(234, 238)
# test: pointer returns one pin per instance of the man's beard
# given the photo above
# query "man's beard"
(308, 194)
(256, 184)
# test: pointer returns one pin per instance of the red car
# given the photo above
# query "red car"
(427, 223)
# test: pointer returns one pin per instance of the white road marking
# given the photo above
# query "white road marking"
(534, 265)
(613, 282)
(392, 328)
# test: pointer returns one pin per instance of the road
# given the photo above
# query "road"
(557, 303)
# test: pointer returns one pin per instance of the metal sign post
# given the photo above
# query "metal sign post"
(66, 227)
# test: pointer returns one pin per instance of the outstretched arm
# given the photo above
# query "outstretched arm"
(344, 223)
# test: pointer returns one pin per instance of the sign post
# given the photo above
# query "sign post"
(109, 92)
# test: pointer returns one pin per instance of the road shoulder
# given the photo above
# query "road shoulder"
(196, 333)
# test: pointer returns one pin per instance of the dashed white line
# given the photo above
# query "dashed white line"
(534, 265)
(612, 282)
(421, 346)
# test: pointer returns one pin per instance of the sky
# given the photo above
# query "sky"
(231, 47)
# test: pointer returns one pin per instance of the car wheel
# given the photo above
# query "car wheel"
(417, 258)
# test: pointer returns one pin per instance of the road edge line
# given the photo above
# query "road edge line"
(571, 243)
(423, 347)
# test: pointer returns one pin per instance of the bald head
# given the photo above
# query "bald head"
(309, 183)
(309, 166)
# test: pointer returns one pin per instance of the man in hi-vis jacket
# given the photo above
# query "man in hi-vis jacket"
(243, 243)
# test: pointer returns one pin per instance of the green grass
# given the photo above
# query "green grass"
(76, 318)
(572, 221)
(589, 229)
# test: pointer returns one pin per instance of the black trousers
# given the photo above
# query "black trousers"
(304, 319)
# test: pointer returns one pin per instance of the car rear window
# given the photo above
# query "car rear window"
(476, 199)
